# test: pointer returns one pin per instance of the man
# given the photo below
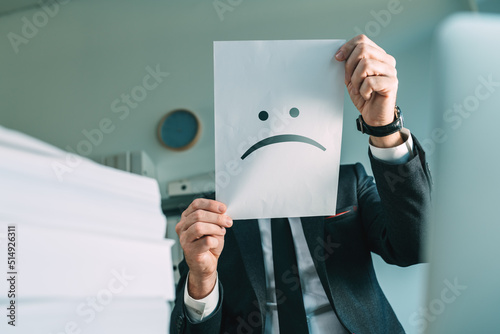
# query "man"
(228, 282)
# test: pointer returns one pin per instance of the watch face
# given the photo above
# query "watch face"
(179, 130)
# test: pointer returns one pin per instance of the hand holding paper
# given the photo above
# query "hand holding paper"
(201, 233)
(372, 83)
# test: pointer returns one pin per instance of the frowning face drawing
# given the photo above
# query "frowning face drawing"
(263, 116)
(278, 127)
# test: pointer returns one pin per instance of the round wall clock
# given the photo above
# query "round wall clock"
(179, 129)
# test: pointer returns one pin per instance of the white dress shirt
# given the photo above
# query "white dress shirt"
(320, 316)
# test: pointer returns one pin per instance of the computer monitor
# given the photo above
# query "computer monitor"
(463, 295)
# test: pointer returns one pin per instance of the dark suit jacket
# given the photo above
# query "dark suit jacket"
(387, 218)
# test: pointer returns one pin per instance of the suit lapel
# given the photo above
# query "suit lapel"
(247, 235)
(314, 232)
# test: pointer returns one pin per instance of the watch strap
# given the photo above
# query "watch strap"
(381, 131)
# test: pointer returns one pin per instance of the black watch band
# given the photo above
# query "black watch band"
(381, 131)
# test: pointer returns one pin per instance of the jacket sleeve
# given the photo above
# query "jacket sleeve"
(179, 320)
(395, 210)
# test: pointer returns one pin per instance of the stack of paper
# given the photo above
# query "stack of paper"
(82, 246)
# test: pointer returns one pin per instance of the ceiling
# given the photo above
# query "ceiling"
(492, 6)
(9, 6)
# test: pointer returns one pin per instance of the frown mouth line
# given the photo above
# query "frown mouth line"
(281, 139)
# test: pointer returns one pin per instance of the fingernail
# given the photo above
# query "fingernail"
(229, 221)
(339, 55)
(221, 208)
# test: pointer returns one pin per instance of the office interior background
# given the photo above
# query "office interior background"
(69, 73)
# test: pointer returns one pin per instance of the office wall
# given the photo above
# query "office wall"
(66, 76)
(62, 79)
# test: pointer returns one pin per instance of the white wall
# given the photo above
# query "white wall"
(64, 80)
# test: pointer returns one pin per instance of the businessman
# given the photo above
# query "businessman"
(314, 274)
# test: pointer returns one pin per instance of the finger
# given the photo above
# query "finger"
(367, 68)
(207, 217)
(345, 50)
(205, 244)
(199, 230)
(380, 84)
(365, 51)
(204, 204)
(178, 227)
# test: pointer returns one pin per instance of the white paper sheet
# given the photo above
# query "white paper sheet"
(56, 263)
(79, 315)
(287, 97)
(89, 197)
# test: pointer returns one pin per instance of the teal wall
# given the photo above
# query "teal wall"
(66, 75)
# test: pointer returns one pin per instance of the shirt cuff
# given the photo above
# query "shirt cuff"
(199, 309)
(395, 155)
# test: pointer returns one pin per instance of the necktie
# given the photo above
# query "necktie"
(291, 312)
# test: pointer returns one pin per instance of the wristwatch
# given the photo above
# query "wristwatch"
(381, 131)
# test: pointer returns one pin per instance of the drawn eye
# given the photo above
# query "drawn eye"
(294, 112)
(263, 115)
